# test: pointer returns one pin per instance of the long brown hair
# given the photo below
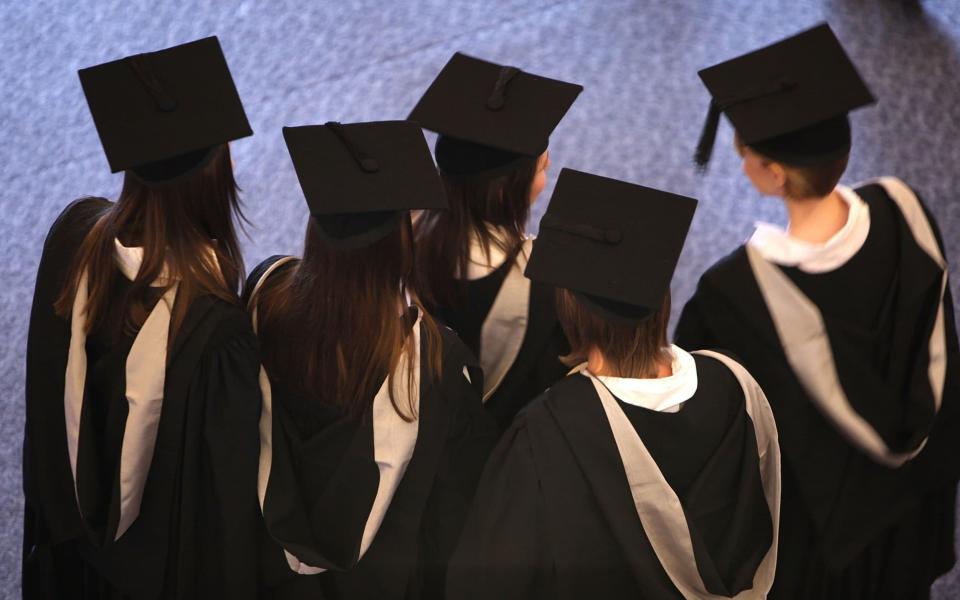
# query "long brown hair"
(629, 349)
(331, 327)
(444, 236)
(177, 223)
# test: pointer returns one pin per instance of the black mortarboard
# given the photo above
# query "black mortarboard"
(789, 100)
(614, 244)
(359, 178)
(490, 117)
(161, 114)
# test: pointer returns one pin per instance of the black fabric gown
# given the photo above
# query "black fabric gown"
(554, 517)
(850, 527)
(324, 480)
(537, 365)
(197, 530)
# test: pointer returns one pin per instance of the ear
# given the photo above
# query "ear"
(777, 172)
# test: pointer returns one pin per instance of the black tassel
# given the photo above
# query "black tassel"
(498, 96)
(366, 163)
(707, 137)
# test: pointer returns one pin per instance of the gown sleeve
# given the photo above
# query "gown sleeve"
(471, 435)
(937, 465)
(502, 552)
(50, 513)
(227, 520)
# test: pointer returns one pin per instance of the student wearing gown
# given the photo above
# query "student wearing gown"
(845, 319)
(142, 402)
(494, 124)
(648, 472)
(373, 435)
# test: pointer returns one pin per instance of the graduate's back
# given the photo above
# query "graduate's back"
(138, 345)
(373, 434)
(846, 320)
(555, 516)
(647, 472)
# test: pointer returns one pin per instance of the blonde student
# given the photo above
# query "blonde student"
(845, 318)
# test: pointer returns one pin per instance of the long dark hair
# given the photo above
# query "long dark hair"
(331, 325)
(629, 349)
(178, 224)
(444, 236)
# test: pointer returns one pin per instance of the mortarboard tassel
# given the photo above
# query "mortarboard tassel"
(366, 163)
(707, 137)
(497, 97)
(143, 67)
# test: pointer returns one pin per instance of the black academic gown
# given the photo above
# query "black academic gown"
(850, 527)
(537, 365)
(196, 533)
(323, 481)
(554, 516)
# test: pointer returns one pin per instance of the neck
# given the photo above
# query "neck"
(816, 220)
(597, 365)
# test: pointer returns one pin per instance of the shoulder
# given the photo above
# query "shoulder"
(75, 220)
(231, 330)
(718, 369)
(458, 363)
(261, 269)
(561, 396)
(722, 369)
(453, 349)
(728, 278)
(727, 268)
(911, 207)
(892, 192)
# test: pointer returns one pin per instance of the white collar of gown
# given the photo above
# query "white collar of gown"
(776, 245)
(663, 394)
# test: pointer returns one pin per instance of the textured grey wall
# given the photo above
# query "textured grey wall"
(353, 60)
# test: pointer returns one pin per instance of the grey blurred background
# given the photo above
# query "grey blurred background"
(354, 60)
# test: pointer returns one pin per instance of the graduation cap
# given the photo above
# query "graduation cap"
(360, 178)
(490, 117)
(614, 244)
(162, 114)
(789, 101)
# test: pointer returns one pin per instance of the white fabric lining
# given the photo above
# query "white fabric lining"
(777, 245)
(804, 338)
(145, 371)
(660, 510)
(661, 394)
(394, 439)
(505, 327)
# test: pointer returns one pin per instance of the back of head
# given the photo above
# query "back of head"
(610, 248)
(629, 347)
(494, 123)
(186, 229)
(789, 101)
(819, 173)
(337, 324)
(165, 119)
(477, 206)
